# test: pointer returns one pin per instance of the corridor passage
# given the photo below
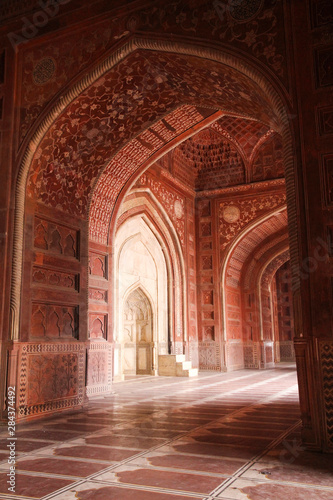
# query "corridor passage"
(233, 436)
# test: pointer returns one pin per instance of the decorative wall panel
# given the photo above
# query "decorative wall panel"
(98, 326)
(51, 277)
(99, 374)
(322, 12)
(209, 356)
(98, 265)
(235, 355)
(55, 238)
(251, 351)
(51, 377)
(326, 360)
(324, 66)
(98, 295)
(243, 212)
(325, 120)
(49, 321)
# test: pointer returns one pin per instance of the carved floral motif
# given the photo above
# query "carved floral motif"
(52, 376)
(110, 113)
(262, 37)
(249, 210)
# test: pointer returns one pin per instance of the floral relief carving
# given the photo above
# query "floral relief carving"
(108, 114)
(249, 210)
(209, 356)
(52, 376)
(98, 367)
(223, 21)
(263, 39)
(79, 49)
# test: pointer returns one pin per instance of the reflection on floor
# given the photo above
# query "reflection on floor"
(231, 436)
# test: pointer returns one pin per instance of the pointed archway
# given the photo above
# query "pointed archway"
(138, 335)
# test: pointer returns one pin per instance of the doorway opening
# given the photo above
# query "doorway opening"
(138, 336)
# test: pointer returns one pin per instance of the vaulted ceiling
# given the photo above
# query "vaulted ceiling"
(231, 151)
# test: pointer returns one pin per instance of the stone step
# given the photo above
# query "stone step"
(192, 372)
(187, 365)
(176, 366)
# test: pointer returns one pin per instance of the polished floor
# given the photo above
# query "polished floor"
(232, 436)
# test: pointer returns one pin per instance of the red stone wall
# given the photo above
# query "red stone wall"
(284, 302)
(287, 44)
(284, 313)
(220, 218)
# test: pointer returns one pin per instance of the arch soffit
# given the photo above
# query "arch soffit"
(248, 231)
(271, 266)
(261, 255)
(156, 212)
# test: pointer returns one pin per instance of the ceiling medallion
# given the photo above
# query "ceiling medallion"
(244, 10)
(231, 214)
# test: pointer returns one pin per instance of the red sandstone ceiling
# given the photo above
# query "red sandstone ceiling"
(135, 97)
(230, 152)
(211, 161)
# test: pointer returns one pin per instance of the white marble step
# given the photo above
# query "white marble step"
(192, 372)
(187, 365)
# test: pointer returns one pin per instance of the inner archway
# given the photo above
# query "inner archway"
(138, 335)
(139, 265)
(98, 144)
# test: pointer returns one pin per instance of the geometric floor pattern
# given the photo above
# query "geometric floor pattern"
(225, 435)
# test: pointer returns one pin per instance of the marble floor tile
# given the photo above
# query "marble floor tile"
(229, 435)
(195, 483)
(32, 486)
(242, 490)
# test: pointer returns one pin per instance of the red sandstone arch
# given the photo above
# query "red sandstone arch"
(263, 235)
(68, 146)
(139, 202)
(257, 271)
